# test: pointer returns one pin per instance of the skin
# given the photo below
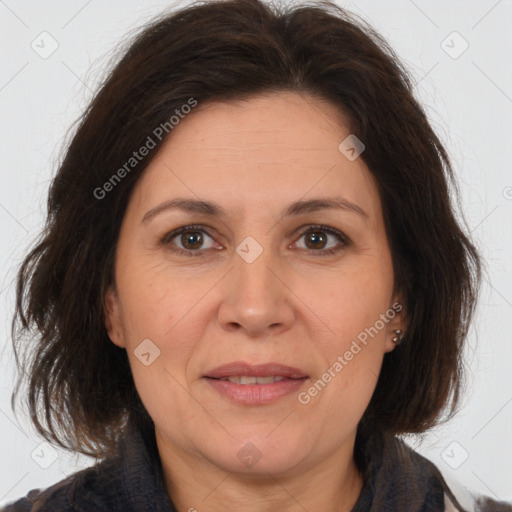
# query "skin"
(289, 305)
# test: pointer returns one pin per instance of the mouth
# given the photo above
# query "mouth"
(255, 385)
(239, 369)
(247, 380)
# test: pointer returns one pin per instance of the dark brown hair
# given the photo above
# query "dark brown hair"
(81, 393)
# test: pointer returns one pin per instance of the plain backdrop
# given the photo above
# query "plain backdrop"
(458, 52)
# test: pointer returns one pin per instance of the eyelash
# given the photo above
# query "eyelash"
(345, 241)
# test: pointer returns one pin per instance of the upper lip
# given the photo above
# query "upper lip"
(241, 368)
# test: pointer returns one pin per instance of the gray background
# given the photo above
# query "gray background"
(468, 96)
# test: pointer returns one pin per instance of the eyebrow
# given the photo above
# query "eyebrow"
(215, 210)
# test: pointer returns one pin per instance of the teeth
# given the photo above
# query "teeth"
(244, 379)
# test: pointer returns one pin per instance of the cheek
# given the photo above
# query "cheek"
(161, 339)
(161, 328)
(355, 306)
(351, 300)
(154, 302)
(343, 391)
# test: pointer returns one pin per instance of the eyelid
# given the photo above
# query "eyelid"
(178, 231)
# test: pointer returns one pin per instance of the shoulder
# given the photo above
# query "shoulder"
(64, 496)
(130, 479)
(458, 496)
(417, 470)
(52, 498)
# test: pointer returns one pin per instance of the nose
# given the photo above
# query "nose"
(256, 298)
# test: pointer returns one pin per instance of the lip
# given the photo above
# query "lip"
(261, 370)
(256, 394)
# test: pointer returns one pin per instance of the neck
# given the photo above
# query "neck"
(195, 484)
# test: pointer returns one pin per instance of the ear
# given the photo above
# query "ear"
(397, 320)
(113, 322)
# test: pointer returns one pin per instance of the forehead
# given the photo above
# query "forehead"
(274, 148)
(278, 123)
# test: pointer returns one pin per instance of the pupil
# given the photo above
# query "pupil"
(193, 239)
(316, 237)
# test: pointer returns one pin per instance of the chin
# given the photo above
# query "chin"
(259, 451)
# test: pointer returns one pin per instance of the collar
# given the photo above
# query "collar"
(130, 482)
(397, 478)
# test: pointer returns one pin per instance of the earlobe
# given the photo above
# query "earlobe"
(396, 326)
(394, 338)
(113, 318)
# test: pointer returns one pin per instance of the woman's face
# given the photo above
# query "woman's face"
(265, 273)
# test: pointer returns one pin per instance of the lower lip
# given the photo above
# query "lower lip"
(256, 394)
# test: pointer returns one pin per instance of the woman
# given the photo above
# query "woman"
(251, 279)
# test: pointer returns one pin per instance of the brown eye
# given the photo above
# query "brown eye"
(323, 240)
(316, 240)
(191, 239)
